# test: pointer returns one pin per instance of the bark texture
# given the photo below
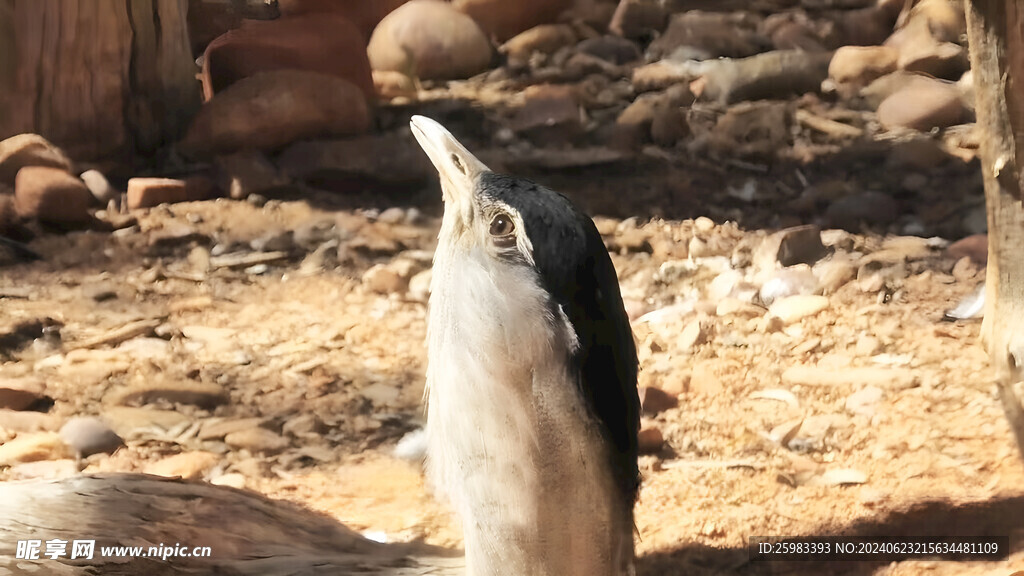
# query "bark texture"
(996, 35)
(96, 77)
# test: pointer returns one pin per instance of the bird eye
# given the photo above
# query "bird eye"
(503, 230)
(458, 163)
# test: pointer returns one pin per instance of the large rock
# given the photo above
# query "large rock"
(273, 109)
(23, 150)
(324, 43)
(933, 105)
(365, 14)
(771, 75)
(707, 35)
(431, 40)
(860, 65)
(390, 159)
(503, 19)
(51, 195)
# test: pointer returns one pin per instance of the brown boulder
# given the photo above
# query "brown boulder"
(861, 64)
(272, 109)
(430, 40)
(923, 107)
(51, 195)
(23, 150)
(324, 43)
(503, 19)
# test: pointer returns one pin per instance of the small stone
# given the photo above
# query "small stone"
(216, 429)
(32, 448)
(383, 280)
(769, 75)
(21, 393)
(791, 281)
(650, 440)
(612, 49)
(867, 346)
(185, 465)
(23, 150)
(550, 114)
(430, 40)
(705, 379)
(87, 435)
(694, 334)
(546, 39)
(864, 401)
(974, 247)
(150, 192)
(231, 480)
(737, 307)
(638, 18)
(27, 421)
(100, 187)
(128, 421)
(51, 195)
(203, 395)
(710, 35)
(49, 469)
(795, 308)
(935, 105)
(256, 440)
(654, 400)
(419, 286)
(791, 246)
(860, 65)
(834, 274)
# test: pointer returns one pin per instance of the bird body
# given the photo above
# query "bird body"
(532, 409)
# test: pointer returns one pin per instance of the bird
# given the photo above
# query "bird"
(532, 410)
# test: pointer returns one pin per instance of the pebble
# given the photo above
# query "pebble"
(100, 187)
(694, 334)
(256, 440)
(207, 396)
(650, 440)
(835, 273)
(791, 281)
(87, 435)
(654, 400)
(186, 465)
(21, 393)
(380, 278)
(864, 401)
(790, 246)
(794, 308)
(32, 447)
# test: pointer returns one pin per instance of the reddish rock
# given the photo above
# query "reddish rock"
(502, 19)
(551, 112)
(430, 40)
(21, 393)
(709, 35)
(974, 247)
(23, 150)
(650, 440)
(862, 64)
(51, 195)
(923, 108)
(273, 109)
(149, 192)
(654, 400)
(324, 43)
(638, 18)
(546, 39)
(365, 14)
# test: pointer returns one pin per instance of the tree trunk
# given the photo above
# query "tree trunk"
(996, 35)
(96, 77)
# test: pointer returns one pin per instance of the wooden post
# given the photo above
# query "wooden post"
(996, 35)
(97, 77)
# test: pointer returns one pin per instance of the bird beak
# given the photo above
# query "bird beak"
(455, 165)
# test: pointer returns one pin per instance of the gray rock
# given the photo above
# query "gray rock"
(87, 435)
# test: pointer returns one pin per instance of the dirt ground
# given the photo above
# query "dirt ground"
(900, 431)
